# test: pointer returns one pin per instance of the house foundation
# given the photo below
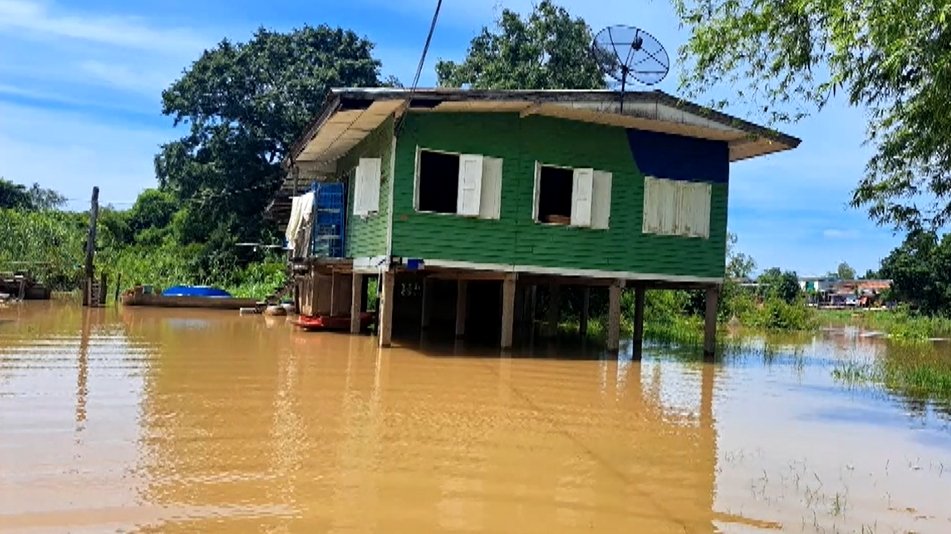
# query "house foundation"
(460, 303)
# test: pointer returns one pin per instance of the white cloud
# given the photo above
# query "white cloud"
(837, 233)
(147, 81)
(44, 21)
(71, 152)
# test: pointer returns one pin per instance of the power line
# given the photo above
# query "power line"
(422, 58)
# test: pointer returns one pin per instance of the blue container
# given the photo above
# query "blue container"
(330, 203)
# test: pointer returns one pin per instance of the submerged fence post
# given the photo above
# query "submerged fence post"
(91, 248)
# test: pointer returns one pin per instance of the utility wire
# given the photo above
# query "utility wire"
(422, 58)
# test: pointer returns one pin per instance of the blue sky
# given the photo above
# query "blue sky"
(80, 86)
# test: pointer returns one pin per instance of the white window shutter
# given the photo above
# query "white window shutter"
(666, 205)
(601, 200)
(358, 184)
(490, 205)
(372, 178)
(650, 223)
(695, 212)
(470, 185)
(581, 193)
(682, 191)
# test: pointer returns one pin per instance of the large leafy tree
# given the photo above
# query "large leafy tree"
(775, 283)
(920, 270)
(547, 50)
(244, 105)
(17, 196)
(14, 196)
(845, 272)
(891, 57)
(738, 264)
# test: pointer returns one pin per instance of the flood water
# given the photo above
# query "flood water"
(193, 421)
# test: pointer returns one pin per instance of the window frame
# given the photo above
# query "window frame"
(416, 173)
(536, 199)
(416, 177)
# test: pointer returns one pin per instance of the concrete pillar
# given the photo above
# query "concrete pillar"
(710, 324)
(640, 293)
(461, 307)
(356, 302)
(427, 305)
(554, 310)
(508, 310)
(387, 299)
(614, 316)
(585, 312)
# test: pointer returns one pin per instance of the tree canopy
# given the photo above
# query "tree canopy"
(244, 105)
(845, 272)
(18, 196)
(738, 264)
(547, 50)
(920, 270)
(892, 58)
(775, 283)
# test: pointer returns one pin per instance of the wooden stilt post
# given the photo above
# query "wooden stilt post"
(532, 312)
(614, 316)
(461, 307)
(710, 324)
(554, 310)
(585, 310)
(387, 300)
(508, 310)
(356, 302)
(91, 248)
(640, 293)
(103, 285)
(427, 305)
(118, 286)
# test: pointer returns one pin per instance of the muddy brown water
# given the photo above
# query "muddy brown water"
(192, 421)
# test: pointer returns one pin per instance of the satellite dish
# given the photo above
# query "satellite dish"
(624, 52)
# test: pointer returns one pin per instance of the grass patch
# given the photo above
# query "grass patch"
(918, 371)
(900, 325)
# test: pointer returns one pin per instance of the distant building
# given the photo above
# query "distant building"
(829, 291)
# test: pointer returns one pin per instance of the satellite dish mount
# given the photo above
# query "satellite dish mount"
(624, 52)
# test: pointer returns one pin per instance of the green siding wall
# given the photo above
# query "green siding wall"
(366, 236)
(516, 239)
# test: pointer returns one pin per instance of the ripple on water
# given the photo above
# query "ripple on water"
(193, 421)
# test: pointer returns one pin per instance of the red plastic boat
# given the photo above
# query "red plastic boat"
(326, 322)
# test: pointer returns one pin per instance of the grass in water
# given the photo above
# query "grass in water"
(914, 370)
(898, 324)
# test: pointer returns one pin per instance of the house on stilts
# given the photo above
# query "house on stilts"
(475, 198)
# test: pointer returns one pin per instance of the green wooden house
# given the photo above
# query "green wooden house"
(527, 188)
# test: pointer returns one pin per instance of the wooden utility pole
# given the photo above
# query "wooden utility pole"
(89, 278)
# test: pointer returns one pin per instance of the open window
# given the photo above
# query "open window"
(576, 197)
(461, 184)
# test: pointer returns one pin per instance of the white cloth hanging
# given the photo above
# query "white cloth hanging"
(302, 213)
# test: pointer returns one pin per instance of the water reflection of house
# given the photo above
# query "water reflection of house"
(298, 442)
(481, 197)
